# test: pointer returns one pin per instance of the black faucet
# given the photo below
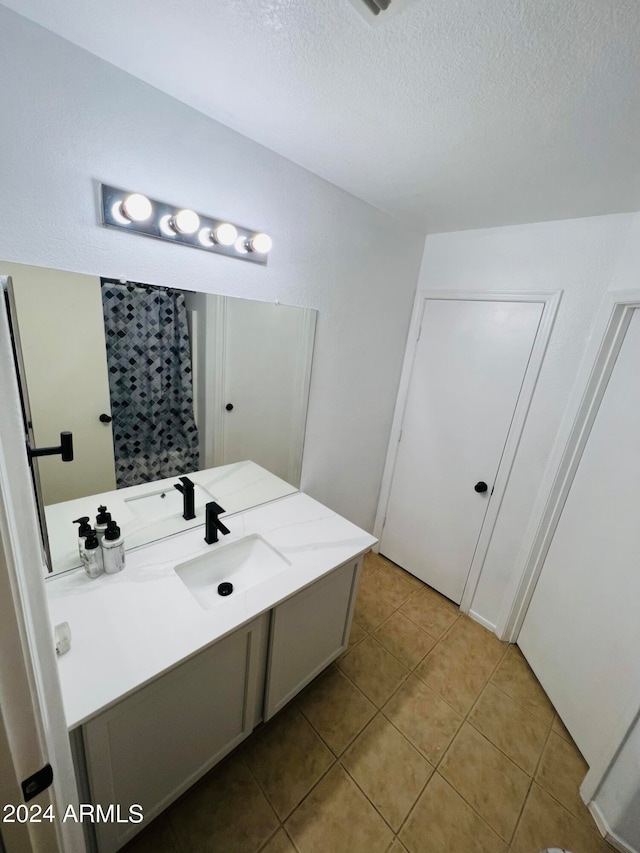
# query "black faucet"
(212, 523)
(188, 503)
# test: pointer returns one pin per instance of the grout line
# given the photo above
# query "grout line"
(366, 796)
(531, 783)
(524, 707)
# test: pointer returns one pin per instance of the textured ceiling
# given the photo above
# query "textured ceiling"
(458, 113)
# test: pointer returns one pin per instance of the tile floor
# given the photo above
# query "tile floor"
(428, 735)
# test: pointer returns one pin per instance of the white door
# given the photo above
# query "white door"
(33, 729)
(266, 368)
(65, 363)
(581, 633)
(468, 369)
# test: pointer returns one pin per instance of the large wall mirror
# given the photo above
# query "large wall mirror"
(155, 383)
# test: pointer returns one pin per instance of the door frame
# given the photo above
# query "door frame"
(34, 729)
(595, 371)
(550, 302)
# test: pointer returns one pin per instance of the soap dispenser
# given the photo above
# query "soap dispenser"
(83, 531)
(113, 549)
(91, 555)
(102, 519)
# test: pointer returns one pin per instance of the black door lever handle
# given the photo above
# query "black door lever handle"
(65, 449)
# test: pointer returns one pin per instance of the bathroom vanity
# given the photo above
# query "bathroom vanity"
(165, 677)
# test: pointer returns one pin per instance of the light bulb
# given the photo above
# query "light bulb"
(225, 234)
(205, 237)
(241, 246)
(185, 222)
(118, 215)
(165, 226)
(260, 243)
(137, 207)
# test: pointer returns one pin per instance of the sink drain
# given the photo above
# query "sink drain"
(225, 588)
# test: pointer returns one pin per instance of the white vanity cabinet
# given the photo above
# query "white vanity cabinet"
(308, 631)
(153, 745)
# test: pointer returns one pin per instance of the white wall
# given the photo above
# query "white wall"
(583, 257)
(70, 120)
(618, 800)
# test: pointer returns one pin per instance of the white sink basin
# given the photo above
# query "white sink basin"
(166, 503)
(243, 564)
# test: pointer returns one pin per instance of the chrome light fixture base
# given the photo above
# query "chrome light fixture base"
(160, 224)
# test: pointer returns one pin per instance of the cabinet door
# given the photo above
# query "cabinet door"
(153, 745)
(308, 631)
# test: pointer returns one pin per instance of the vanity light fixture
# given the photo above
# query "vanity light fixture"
(135, 212)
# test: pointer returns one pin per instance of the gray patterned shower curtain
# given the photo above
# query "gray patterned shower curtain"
(150, 382)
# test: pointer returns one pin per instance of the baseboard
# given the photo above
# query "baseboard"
(484, 622)
(607, 832)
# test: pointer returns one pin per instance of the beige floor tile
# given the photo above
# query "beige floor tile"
(374, 670)
(430, 613)
(481, 649)
(336, 816)
(389, 584)
(561, 772)
(486, 779)
(424, 718)
(388, 769)
(280, 843)
(158, 837)
(287, 758)
(560, 729)
(509, 727)
(225, 811)
(397, 573)
(447, 603)
(404, 639)
(372, 563)
(442, 822)
(371, 608)
(446, 672)
(336, 709)
(545, 823)
(515, 677)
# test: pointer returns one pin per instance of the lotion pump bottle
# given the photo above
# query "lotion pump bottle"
(113, 549)
(91, 555)
(83, 531)
(102, 519)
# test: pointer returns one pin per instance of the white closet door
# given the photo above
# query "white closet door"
(469, 366)
(581, 633)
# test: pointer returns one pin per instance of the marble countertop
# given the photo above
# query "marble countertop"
(236, 487)
(129, 628)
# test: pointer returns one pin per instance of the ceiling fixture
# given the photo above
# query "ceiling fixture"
(135, 212)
